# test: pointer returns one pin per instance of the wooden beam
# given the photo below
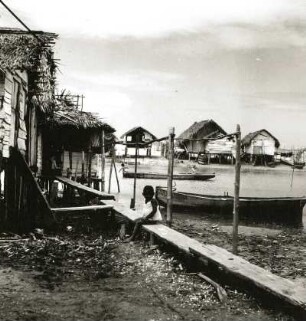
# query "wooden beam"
(237, 190)
(81, 208)
(102, 161)
(84, 188)
(170, 176)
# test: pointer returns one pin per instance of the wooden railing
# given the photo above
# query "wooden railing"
(25, 205)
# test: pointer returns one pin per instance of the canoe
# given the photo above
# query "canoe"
(288, 210)
(183, 176)
(295, 164)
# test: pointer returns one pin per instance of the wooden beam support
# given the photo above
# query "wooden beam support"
(72, 210)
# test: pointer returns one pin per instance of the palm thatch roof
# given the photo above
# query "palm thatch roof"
(202, 129)
(22, 51)
(138, 129)
(249, 137)
(66, 114)
(68, 127)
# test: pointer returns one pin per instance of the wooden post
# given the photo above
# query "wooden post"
(102, 161)
(237, 189)
(114, 163)
(133, 200)
(110, 177)
(89, 165)
(70, 160)
(83, 163)
(170, 176)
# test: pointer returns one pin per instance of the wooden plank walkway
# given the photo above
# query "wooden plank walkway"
(235, 266)
(123, 210)
(80, 187)
(283, 289)
(82, 209)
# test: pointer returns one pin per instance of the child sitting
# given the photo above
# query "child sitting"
(150, 212)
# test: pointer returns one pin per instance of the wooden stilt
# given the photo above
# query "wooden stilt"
(83, 165)
(133, 201)
(110, 177)
(89, 166)
(170, 176)
(237, 190)
(115, 168)
(102, 161)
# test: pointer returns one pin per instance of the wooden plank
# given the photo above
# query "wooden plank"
(103, 196)
(81, 208)
(236, 266)
(177, 239)
(277, 286)
(123, 210)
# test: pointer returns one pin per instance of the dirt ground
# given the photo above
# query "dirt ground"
(280, 250)
(98, 277)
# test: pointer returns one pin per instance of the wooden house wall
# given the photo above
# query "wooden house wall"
(195, 146)
(220, 146)
(143, 137)
(14, 90)
(262, 144)
(141, 151)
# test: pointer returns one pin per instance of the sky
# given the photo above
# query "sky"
(161, 64)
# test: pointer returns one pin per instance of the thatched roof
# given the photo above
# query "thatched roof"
(66, 114)
(68, 127)
(249, 137)
(138, 129)
(202, 129)
(22, 51)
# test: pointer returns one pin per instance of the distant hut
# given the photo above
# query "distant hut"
(139, 136)
(259, 147)
(196, 138)
(73, 138)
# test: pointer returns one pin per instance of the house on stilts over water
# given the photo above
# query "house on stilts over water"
(140, 137)
(205, 141)
(259, 147)
(73, 139)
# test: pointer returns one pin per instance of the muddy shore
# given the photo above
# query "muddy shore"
(93, 275)
(97, 277)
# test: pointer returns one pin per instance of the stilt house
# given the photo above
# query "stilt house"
(206, 138)
(259, 147)
(139, 136)
(27, 81)
(74, 138)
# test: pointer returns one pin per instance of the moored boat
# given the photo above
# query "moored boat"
(293, 164)
(181, 176)
(288, 210)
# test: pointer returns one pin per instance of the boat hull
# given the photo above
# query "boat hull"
(198, 177)
(287, 210)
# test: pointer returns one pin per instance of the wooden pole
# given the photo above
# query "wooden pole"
(69, 172)
(83, 163)
(237, 189)
(110, 177)
(114, 163)
(102, 161)
(89, 165)
(170, 175)
(133, 200)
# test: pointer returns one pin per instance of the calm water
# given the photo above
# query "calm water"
(266, 182)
